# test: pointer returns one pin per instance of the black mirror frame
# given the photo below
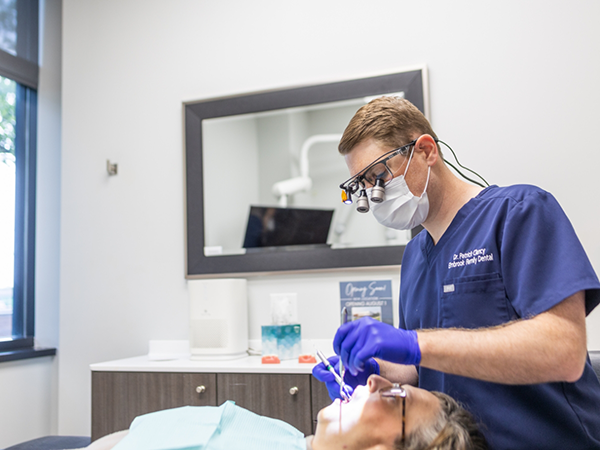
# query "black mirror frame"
(412, 83)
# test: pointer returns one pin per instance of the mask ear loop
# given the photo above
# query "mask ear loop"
(428, 171)
(409, 160)
(427, 181)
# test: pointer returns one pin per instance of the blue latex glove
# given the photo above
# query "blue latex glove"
(358, 341)
(325, 376)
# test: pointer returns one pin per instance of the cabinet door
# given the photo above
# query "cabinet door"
(285, 397)
(119, 397)
(320, 398)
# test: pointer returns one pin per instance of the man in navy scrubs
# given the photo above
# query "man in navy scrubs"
(493, 295)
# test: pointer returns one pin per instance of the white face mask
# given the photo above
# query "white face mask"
(401, 209)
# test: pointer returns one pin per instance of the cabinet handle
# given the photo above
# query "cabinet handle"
(294, 390)
(200, 389)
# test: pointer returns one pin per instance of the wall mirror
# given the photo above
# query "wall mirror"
(279, 149)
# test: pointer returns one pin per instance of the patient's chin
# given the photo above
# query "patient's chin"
(340, 416)
(330, 413)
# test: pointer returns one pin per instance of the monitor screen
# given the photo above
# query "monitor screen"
(274, 227)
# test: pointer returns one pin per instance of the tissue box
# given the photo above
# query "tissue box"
(282, 340)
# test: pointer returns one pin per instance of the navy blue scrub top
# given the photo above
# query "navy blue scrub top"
(509, 253)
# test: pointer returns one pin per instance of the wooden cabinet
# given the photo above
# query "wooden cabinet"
(118, 397)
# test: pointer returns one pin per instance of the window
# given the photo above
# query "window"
(18, 102)
(7, 204)
(8, 26)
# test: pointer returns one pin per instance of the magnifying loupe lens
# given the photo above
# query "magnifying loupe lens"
(378, 191)
(362, 202)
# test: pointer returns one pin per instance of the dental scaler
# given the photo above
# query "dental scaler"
(345, 390)
(344, 319)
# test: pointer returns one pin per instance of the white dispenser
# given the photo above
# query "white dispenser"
(218, 319)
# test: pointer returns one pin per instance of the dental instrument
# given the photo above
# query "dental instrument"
(343, 386)
(345, 390)
(343, 319)
(329, 367)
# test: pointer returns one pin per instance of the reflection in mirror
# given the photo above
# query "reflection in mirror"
(273, 228)
(279, 149)
(284, 158)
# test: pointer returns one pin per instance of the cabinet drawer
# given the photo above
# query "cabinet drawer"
(281, 396)
(200, 389)
(119, 397)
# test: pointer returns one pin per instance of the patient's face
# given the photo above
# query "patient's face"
(369, 420)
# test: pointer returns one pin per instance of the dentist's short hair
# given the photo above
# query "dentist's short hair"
(391, 121)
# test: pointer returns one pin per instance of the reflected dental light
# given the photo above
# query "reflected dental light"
(362, 202)
(346, 197)
(378, 191)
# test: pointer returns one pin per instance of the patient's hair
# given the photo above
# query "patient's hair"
(391, 121)
(454, 429)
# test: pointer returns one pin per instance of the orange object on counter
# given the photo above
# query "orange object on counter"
(270, 359)
(307, 359)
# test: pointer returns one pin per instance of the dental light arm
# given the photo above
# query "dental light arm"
(291, 186)
(303, 183)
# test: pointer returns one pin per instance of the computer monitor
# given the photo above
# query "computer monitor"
(275, 227)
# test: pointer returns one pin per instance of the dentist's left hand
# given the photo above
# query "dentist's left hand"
(359, 340)
(321, 373)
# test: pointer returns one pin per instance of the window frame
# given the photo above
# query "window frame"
(24, 70)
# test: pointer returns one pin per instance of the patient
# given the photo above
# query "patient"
(375, 419)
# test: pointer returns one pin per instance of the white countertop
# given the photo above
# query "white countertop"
(247, 364)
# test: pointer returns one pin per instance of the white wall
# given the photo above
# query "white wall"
(513, 88)
(26, 390)
(29, 388)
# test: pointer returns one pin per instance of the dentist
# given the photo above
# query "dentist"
(493, 295)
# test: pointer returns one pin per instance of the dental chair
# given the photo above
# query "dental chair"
(53, 443)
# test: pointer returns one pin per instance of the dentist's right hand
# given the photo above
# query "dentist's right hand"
(361, 340)
(323, 375)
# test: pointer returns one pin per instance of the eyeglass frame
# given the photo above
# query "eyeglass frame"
(396, 391)
(351, 185)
